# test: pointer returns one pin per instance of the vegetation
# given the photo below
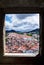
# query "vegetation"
(29, 34)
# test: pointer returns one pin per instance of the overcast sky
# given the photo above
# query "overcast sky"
(21, 22)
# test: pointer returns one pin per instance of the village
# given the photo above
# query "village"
(21, 43)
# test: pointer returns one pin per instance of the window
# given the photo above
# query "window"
(21, 35)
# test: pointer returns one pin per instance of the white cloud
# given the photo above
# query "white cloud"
(19, 25)
(32, 19)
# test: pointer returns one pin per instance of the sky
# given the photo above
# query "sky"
(21, 22)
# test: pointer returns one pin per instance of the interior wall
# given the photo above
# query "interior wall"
(21, 3)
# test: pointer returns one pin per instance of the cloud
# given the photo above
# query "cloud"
(32, 19)
(26, 24)
(22, 16)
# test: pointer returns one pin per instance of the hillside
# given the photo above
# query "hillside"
(32, 32)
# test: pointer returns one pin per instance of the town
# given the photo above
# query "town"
(21, 43)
